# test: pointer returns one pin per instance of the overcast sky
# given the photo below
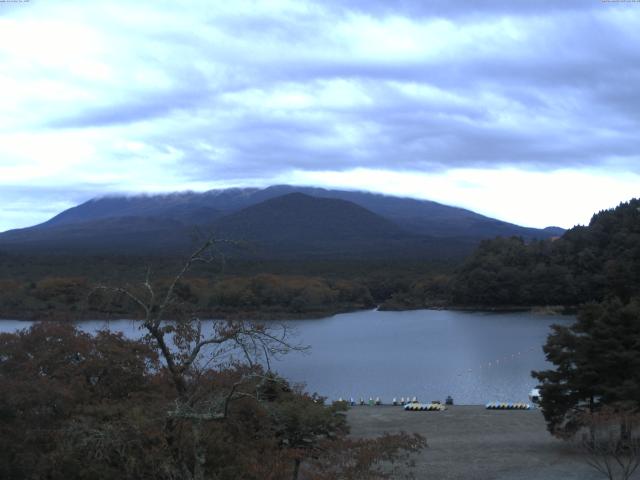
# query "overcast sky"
(528, 111)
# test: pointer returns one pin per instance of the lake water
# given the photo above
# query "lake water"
(474, 357)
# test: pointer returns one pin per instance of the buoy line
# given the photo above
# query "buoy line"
(498, 361)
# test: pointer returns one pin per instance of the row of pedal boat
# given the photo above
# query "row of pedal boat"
(438, 407)
(422, 407)
(507, 406)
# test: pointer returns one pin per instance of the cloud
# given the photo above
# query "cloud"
(563, 197)
(449, 9)
(154, 95)
(24, 206)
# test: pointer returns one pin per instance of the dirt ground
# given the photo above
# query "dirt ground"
(470, 442)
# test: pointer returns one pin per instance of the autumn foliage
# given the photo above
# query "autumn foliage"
(81, 406)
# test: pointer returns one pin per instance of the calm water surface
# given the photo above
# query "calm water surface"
(474, 357)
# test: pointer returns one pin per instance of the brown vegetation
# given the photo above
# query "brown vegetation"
(186, 402)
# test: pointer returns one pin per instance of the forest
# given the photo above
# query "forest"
(587, 263)
(259, 297)
(64, 287)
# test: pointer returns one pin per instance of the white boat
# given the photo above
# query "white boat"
(534, 395)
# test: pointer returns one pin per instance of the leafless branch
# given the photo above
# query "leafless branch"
(612, 444)
(182, 351)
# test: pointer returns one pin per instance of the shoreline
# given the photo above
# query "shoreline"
(541, 309)
(252, 315)
(202, 315)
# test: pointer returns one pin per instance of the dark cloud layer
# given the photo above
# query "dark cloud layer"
(537, 84)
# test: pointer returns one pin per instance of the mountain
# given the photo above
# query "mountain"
(422, 217)
(279, 220)
(296, 217)
(114, 234)
(296, 225)
(418, 216)
(186, 207)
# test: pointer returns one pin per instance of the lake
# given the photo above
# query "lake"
(475, 357)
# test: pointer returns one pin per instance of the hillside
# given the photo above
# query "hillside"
(279, 221)
(187, 207)
(300, 223)
(417, 216)
(423, 217)
(134, 235)
(587, 263)
(293, 227)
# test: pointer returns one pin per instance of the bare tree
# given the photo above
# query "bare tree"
(190, 347)
(612, 443)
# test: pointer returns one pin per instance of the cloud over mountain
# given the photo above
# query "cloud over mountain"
(154, 96)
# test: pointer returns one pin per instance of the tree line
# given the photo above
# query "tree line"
(588, 263)
(259, 296)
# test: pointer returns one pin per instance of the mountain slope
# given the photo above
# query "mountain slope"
(187, 207)
(137, 235)
(423, 217)
(417, 216)
(302, 218)
(293, 226)
(278, 221)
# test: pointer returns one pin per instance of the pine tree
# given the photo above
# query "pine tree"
(597, 362)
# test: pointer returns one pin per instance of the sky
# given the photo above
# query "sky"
(527, 111)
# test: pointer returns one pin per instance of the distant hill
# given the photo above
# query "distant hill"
(418, 216)
(278, 221)
(300, 218)
(423, 217)
(587, 263)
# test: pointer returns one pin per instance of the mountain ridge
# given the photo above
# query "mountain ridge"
(233, 199)
(282, 219)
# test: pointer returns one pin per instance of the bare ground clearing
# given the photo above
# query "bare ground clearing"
(470, 442)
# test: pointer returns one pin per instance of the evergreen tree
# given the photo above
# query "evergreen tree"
(585, 264)
(597, 362)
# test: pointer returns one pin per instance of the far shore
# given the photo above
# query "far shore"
(203, 315)
(270, 315)
(541, 309)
